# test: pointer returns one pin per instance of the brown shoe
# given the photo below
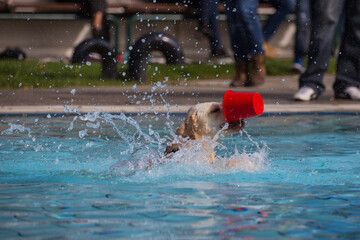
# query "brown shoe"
(241, 74)
(270, 50)
(258, 71)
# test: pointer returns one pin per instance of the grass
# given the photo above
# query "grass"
(33, 74)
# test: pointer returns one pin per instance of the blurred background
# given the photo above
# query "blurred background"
(55, 39)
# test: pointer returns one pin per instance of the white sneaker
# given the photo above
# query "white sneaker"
(349, 93)
(305, 94)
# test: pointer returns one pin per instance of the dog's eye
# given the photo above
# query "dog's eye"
(215, 110)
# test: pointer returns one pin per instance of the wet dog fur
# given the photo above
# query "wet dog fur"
(203, 120)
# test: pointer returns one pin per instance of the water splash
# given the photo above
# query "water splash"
(18, 128)
(191, 161)
(144, 158)
(127, 129)
(130, 150)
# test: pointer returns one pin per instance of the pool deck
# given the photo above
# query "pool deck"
(277, 93)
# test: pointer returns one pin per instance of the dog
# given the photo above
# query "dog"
(204, 120)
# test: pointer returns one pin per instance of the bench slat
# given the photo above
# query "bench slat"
(114, 8)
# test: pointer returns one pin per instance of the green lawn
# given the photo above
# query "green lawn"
(33, 74)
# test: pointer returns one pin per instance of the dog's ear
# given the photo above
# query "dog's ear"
(191, 127)
(181, 129)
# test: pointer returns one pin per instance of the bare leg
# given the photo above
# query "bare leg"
(97, 21)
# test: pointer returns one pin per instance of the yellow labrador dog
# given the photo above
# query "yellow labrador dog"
(203, 120)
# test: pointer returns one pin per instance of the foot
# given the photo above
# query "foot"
(352, 93)
(305, 94)
(238, 83)
(270, 51)
(258, 71)
(218, 53)
(241, 73)
(297, 68)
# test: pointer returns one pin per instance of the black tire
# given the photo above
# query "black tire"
(152, 41)
(102, 47)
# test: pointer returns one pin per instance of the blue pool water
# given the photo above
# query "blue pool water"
(76, 177)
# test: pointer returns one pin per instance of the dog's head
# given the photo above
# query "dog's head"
(206, 120)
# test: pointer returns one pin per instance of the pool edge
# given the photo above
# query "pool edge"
(269, 109)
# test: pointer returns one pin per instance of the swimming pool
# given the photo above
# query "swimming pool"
(299, 179)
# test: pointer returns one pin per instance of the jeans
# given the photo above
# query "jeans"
(209, 22)
(325, 15)
(244, 28)
(348, 65)
(303, 22)
(283, 7)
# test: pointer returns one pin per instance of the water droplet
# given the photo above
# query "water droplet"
(83, 133)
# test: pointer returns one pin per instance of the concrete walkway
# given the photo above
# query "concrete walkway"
(277, 93)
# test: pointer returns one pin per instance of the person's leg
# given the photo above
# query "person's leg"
(209, 25)
(348, 66)
(303, 22)
(252, 32)
(217, 48)
(97, 11)
(205, 9)
(97, 21)
(239, 43)
(283, 7)
(324, 17)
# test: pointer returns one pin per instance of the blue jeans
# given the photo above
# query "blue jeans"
(246, 34)
(283, 7)
(325, 15)
(348, 65)
(209, 22)
(303, 22)
(244, 27)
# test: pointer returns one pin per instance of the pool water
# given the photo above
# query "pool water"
(78, 177)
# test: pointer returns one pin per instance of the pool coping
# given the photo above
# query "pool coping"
(353, 109)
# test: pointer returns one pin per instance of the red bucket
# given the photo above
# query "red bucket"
(238, 106)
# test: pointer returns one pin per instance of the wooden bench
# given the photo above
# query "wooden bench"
(131, 11)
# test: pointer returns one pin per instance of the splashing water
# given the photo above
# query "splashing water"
(86, 186)
(132, 146)
(192, 159)
(134, 151)
(18, 128)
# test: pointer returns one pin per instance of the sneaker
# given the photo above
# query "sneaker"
(297, 68)
(220, 56)
(349, 93)
(305, 94)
